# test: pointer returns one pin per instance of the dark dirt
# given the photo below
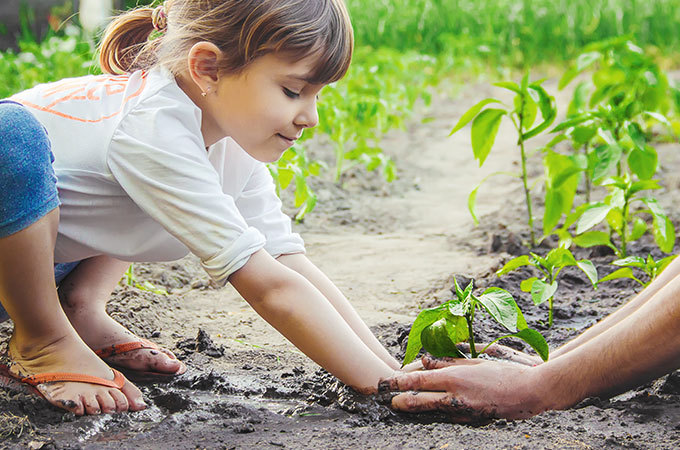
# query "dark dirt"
(246, 387)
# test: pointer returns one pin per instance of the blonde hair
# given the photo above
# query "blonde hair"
(243, 29)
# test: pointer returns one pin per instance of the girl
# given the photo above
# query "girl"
(165, 156)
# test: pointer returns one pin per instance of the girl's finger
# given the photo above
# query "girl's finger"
(430, 362)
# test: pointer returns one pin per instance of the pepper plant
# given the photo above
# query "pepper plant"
(439, 329)
(624, 222)
(543, 288)
(649, 267)
(530, 98)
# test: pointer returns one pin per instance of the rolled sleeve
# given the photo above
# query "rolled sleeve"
(159, 159)
(261, 208)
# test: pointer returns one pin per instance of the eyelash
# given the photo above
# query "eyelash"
(290, 93)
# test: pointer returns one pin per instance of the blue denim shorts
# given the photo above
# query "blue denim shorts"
(28, 185)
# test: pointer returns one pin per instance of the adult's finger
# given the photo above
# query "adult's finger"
(446, 402)
(432, 380)
(413, 366)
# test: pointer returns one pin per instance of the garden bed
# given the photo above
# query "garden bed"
(393, 249)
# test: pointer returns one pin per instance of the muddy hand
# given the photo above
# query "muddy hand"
(468, 391)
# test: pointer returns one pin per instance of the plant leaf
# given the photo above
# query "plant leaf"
(514, 264)
(425, 318)
(484, 130)
(589, 269)
(593, 238)
(542, 291)
(535, 340)
(595, 214)
(624, 272)
(643, 162)
(502, 307)
(437, 341)
(526, 285)
(471, 113)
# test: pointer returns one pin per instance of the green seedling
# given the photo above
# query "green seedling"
(624, 223)
(543, 288)
(439, 329)
(130, 279)
(530, 98)
(649, 266)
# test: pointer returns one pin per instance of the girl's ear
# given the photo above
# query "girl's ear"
(203, 64)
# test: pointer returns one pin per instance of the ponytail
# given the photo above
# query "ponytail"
(125, 45)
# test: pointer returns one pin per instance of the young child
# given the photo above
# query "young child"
(163, 157)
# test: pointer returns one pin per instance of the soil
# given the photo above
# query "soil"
(393, 249)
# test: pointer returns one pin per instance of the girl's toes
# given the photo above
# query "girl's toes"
(119, 399)
(134, 397)
(106, 402)
(91, 404)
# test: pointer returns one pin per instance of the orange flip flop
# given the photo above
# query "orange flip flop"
(132, 374)
(28, 384)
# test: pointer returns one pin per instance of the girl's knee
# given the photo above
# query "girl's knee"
(28, 187)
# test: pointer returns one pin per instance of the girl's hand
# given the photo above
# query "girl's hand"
(413, 366)
(494, 350)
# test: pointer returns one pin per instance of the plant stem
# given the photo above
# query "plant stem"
(550, 311)
(527, 194)
(624, 220)
(471, 337)
(585, 151)
(339, 157)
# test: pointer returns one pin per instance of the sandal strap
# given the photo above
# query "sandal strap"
(118, 349)
(34, 380)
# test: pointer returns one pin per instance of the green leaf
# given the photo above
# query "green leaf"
(659, 117)
(595, 214)
(643, 185)
(560, 257)
(514, 264)
(637, 135)
(593, 238)
(639, 228)
(437, 341)
(643, 162)
(625, 272)
(502, 307)
(663, 263)
(607, 156)
(542, 291)
(548, 111)
(572, 122)
(631, 261)
(425, 318)
(510, 85)
(589, 269)
(535, 340)
(484, 130)
(472, 198)
(527, 284)
(664, 233)
(471, 113)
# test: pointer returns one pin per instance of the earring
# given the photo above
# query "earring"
(206, 92)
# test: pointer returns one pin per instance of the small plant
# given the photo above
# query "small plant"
(650, 267)
(529, 99)
(543, 288)
(622, 220)
(439, 329)
(130, 279)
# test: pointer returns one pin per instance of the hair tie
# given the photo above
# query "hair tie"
(158, 18)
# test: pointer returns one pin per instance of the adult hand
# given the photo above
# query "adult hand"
(470, 391)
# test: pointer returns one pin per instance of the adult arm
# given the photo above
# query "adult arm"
(299, 311)
(625, 355)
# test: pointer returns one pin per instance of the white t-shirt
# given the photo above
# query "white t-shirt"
(136, 182)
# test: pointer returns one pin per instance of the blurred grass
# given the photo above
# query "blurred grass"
(513, 32)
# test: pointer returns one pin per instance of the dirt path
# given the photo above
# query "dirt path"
(391, 249)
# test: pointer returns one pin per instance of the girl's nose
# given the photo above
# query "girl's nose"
(308, 116)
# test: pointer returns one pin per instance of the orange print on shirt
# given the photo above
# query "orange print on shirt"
(77, 92)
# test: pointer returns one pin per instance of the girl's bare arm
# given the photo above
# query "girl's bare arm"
(302, 265)
(299, 311)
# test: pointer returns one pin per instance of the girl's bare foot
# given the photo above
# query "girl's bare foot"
(70, 355)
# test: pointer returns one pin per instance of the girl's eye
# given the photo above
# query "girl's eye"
(290, 93)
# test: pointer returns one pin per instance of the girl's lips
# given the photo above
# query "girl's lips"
(287, 139)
